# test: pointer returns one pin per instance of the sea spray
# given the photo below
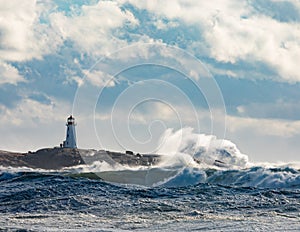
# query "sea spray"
(179, 145)
(188, 158)
(185, 156)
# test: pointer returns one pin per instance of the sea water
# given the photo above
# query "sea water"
(179, 194)
(228, 200)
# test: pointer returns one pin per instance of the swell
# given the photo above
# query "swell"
(258, 177)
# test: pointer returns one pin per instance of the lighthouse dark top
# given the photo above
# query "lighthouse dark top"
(71, 120)
(70, 141)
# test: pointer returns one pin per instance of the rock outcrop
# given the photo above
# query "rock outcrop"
(47, 158)
(58, 158)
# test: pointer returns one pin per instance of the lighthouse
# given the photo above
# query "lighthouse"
(70, 141)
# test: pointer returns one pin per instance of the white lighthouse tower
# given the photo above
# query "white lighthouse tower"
(70, 141)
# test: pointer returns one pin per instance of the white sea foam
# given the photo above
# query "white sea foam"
(189, 159)
(184, 146)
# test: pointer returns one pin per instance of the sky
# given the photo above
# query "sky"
(130, 69)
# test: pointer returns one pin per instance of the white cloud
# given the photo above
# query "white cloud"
(280, 109)
(32, 125)
(30, 113)
(265, 127)
(23, 37)
(265, 139)
(160, 25)
(91, 30)
(233, 31)
(255, 136)
(181, 116)
(192, 11)
(257, 38)
(99, 78)
(9, 74)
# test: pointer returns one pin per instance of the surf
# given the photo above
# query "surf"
(186, 158)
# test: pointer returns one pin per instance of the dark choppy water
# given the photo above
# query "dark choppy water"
(229, 200)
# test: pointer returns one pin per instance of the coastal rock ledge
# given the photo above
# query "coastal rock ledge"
(46, 158)
(58, 158)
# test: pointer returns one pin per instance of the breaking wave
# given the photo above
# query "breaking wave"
(260, 177)
(185, 146)
(188, 158)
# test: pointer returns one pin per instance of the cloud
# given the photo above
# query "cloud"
(99, 78)
(261, 138)
(92, 29)
(9, 74)
(32, 124)
(235, 31)
(160, 25)
(29, 112)
(229, 31)
(189, 11)
(256, 39)
(265, 127)
(265, 139)
(22, 35)
(279, 109)
(178, 115)
(237, 39)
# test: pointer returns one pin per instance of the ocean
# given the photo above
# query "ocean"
(201, 184)
(253, 199)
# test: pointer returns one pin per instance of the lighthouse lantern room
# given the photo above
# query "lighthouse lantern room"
(70, 141)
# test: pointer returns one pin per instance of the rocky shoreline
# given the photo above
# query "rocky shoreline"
(58, 158)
